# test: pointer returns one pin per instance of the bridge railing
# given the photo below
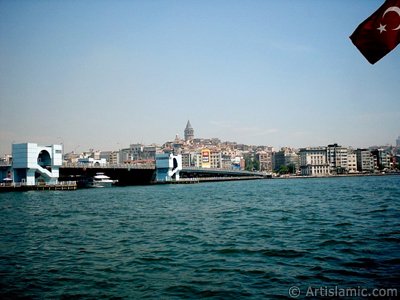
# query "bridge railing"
(109, 166)
(227, 171)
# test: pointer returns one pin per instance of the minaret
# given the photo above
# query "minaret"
(189, 132)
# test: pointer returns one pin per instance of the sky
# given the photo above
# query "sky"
(106, 74)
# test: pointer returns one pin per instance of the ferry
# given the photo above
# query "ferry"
(101, 180)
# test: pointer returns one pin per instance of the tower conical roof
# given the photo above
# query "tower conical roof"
(189, 132)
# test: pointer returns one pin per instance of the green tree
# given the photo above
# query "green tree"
(256, 165)
(283, 170)
(248, 164)
(251, 163)
(292, 169)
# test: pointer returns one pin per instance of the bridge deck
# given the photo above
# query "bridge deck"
(110, 166)
(185, 171)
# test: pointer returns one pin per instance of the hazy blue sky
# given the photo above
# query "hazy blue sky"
(104, 74)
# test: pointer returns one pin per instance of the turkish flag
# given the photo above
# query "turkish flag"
(380, 33)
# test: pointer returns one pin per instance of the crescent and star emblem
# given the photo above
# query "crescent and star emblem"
(395, 9)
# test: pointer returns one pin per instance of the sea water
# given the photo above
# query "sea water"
(229, 240)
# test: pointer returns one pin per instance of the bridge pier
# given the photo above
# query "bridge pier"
(168, 167)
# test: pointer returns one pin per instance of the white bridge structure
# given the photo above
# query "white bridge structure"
(168, 167)
(33, 164)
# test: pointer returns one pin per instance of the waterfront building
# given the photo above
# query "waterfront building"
(125, 155)
(149, 152)
(226, 162)
(396, 161)
(189, 132)
(185, 159)
(5, 173)
(238, 163)
(142, 152)
(197, 160)
(112, 157)
(34, 164)
(242, 163)
(96, 154)
(382, 158)
(337, 159)
(6, 160)
(352, 162)
(3, 161)
(205, 158)
(286, 157)
(71, 157)
(105, 155)
(313, 161)
(89, 161)
(91, 153)
(5, 169)
(365, 161)
(189, 159)
(265, 160)
(136, 153)
(215, 159)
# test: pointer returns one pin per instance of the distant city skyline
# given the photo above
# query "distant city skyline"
(103, 74)
(183, 137)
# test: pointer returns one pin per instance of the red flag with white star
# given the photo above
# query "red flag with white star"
(380, 33)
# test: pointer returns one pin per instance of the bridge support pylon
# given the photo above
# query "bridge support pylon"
(168, 167)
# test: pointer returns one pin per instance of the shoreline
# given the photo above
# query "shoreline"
(336, 176)
(73, 186)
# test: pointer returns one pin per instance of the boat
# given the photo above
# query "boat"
(101, 180)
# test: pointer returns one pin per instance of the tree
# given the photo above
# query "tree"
(251, 163)
(256, 165)
(289, 169)
(283, 170)
(292, 169)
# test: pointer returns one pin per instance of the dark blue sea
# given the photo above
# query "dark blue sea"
(228, 240)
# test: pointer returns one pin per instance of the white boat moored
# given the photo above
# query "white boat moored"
(101, 180)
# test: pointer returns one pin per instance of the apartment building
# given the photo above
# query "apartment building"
(265, 160)
(382, 158)
(351, 162)
(365, 161)
(286, 157)
(337, 158)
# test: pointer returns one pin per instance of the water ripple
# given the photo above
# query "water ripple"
(250, 239)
